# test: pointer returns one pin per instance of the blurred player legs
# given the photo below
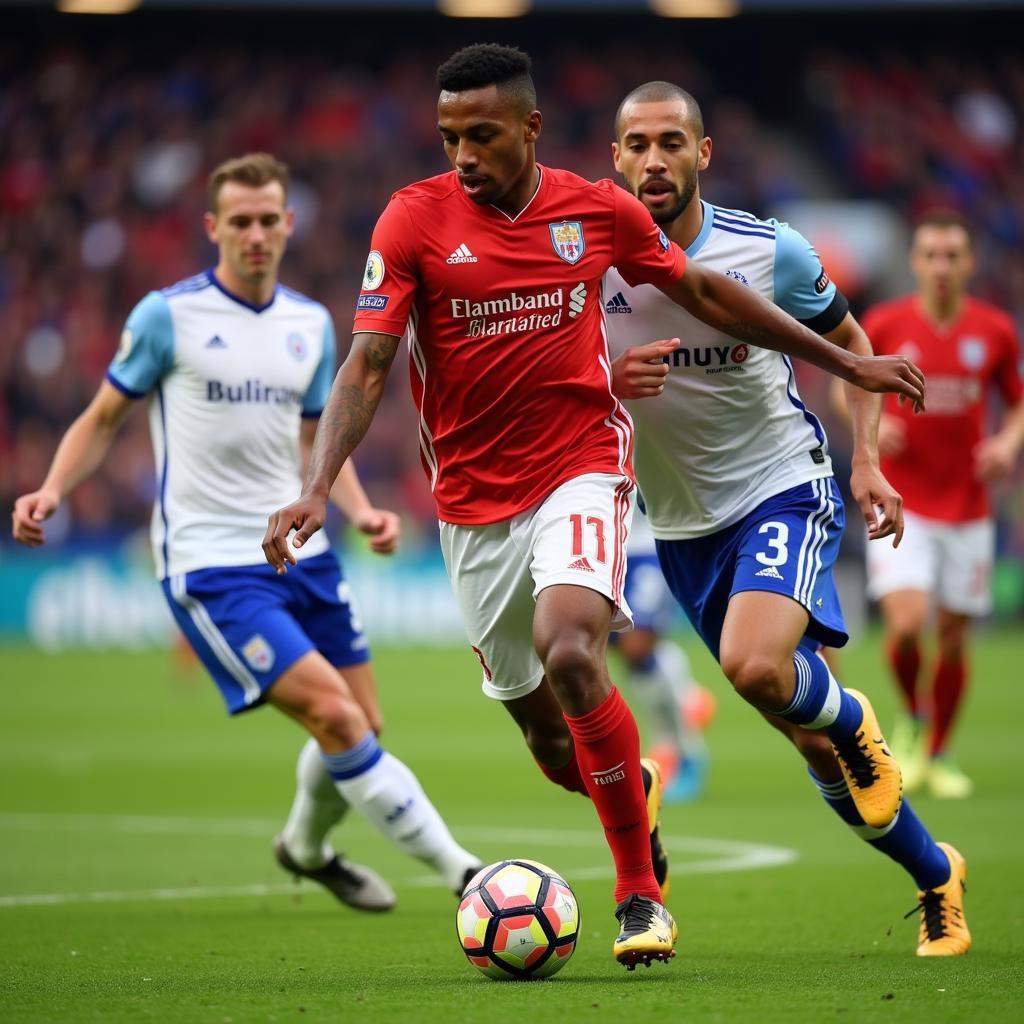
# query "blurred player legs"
(950, 565)
(677, 708)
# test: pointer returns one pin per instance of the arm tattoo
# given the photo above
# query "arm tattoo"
(746, 331)
(354, 399)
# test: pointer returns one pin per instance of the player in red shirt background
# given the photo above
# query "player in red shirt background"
(493, 273)
(942, 462)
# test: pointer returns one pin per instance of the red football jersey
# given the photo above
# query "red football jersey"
(963, 364)
(509, 362)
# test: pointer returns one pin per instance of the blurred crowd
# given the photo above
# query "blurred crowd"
(103, 159)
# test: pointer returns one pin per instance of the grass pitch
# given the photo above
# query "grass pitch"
(136, 881)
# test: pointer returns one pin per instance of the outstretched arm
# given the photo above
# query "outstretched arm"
(80, 452)
(742, 313)
(354, 398)
(381, 525)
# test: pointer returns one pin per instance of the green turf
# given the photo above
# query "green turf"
(122, 775)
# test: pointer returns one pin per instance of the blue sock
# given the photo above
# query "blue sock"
(904, 839)
(354, 761)
(819, 702)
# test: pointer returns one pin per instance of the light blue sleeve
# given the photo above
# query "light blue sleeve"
(146, 351)
(802, 287)
(320, 386)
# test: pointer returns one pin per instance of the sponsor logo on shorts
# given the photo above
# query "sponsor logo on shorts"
(581, 564)
(376, 302)
(607, 776)
(258, 653)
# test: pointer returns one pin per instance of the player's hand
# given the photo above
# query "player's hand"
(994, 458)
(305, 517)
(29, 514)
(640, 372)
(880, 503)
(892, 435)
(382, 527)
(890, 373)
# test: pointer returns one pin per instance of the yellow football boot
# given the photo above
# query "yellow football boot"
(647, 932)
(652, 788)
(943, 930)
(870, 770)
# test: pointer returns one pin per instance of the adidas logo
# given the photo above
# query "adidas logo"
(216, 342)
(618, 304)
(462, 255)
(582, 564)
(770, 571)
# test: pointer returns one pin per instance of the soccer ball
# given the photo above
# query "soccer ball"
(518, 919)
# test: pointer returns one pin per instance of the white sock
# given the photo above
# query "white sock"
(317, 808)
(662, 689)
(391, 798)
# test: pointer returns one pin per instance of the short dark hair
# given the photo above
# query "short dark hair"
(253, 169)
(483, 64)
(657, 92)
(944, 217)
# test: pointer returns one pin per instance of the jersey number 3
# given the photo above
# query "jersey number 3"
(776, 544)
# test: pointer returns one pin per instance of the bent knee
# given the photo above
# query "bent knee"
(759, 679)
(337, 718)
(572, 665)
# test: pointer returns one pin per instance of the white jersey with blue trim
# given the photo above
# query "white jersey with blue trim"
(729, 430)
(227, 384)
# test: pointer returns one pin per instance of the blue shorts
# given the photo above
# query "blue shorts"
(647, 594)
(248, 625)
(787, 545)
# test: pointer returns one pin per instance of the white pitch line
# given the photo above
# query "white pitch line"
(732, 855)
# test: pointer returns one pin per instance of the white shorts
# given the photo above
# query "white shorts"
(951, 561)
(576, 535)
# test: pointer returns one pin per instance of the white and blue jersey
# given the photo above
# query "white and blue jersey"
(733, 469)
(730, 429)
(227, 384)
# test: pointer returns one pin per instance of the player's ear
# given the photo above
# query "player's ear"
(210, 223)
(289, 221)
(615, 156)
(705, 154)
(533, 126)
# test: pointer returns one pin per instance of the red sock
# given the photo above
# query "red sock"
(568, 776)
(906, 666)
(947, 693)
(608, 755)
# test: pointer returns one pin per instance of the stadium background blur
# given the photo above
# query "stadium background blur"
(846, 123)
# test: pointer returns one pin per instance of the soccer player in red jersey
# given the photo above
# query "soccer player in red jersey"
(942, 463)
(493, 273)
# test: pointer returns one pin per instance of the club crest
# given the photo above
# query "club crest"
(567, 240)
(258, 653)
(972, 353)
(296, 346)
